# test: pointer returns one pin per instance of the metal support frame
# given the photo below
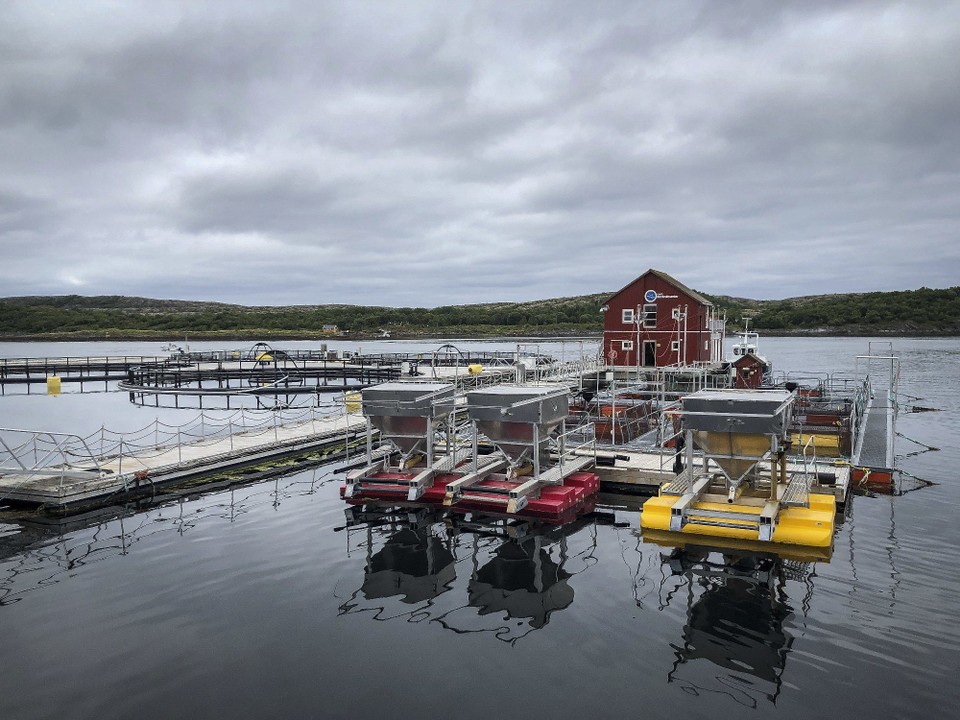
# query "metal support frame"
(768, 520)
(678, 511)
(456, 487)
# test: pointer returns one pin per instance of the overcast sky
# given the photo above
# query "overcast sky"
(429, 153)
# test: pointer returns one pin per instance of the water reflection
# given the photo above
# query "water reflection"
(413, 564)
(521, 581)
(738, 620)
(38, 551)
(470, 575)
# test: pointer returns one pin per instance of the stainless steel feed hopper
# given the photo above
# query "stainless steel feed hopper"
(405, 413)
(744, 438)
(519, 420)
(737, 428)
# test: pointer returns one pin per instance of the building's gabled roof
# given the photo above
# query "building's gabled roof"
(697, 297)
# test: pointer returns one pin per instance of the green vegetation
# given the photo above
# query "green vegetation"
(912, 312)
(95, 317)
(921, 311)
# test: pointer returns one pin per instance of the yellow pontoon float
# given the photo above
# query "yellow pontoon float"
(743, 485)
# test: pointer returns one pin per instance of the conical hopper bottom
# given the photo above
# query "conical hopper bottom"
(730, 443)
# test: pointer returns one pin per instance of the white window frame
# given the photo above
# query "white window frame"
(626, 344)
(647, 321)
(675, 346)
(627, 316)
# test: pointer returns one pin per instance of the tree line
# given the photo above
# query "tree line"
(901, 312)
(916, 311)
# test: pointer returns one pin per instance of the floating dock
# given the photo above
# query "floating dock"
(432, 424)
(873, 456)
(78, 370)
(56, 470)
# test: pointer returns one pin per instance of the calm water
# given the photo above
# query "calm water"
(259, 602)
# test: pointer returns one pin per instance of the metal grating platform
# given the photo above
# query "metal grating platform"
(557, 473)
(875, 441)
(679, 485)
(797, 493)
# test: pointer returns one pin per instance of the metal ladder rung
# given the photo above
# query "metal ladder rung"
(719, 523)
(491, 497)
(723, 515)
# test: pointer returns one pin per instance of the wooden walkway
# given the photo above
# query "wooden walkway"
(99, 479)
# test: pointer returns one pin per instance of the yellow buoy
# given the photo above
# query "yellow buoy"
(475, 369)
(53, 385)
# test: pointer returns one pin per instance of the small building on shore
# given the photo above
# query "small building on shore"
(657, 321)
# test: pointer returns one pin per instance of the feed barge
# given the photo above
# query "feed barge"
(528, 472)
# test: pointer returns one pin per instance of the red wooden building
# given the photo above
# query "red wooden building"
(657, 321)
(750, 371)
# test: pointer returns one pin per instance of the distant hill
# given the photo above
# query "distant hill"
(911, 312)
(923, 311)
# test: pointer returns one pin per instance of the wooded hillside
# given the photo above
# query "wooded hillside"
(923, 311)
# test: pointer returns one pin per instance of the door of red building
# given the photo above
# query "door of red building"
(649, 353)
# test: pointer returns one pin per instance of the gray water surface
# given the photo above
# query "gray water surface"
(260, 602)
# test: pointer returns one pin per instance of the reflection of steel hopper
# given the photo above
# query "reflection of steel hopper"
(738, 485)
(414, 560)
(522, 581)
(413, 563)
(737, 621)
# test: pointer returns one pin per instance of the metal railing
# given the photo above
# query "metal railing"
(29, 454)
(558, 443)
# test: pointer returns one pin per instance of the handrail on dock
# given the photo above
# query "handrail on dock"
(30, 454)
(46, 447)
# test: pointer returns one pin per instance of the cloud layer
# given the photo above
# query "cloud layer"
(427, 153)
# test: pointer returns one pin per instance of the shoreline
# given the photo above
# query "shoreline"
(359, 336)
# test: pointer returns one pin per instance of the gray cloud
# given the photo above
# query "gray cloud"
(429, 153)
